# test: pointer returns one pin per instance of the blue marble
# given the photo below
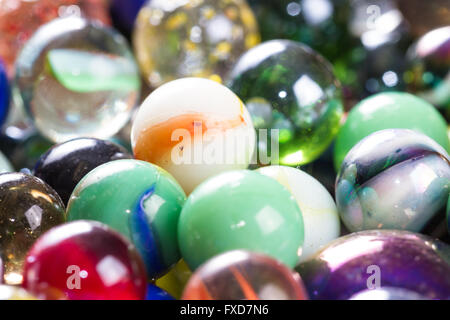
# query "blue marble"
(155, 293)
(124, 13)
(4, 94)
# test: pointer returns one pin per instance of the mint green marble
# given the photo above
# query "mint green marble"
(240, 210)
(390, 110)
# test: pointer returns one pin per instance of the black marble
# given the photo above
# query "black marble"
(65, 164)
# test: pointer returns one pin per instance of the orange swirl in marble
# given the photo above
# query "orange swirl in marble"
(155, 143)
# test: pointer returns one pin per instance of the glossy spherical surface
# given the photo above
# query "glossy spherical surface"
(428, 75)
(387, 293)
(393, 179)
(4, 93)
(19, 19)
(240, 210)
(195, 129)
(320, 215)
(390, 110)
(85, 261)
(243, 275)
(155, 293)
(291, 91)
(29, 207)
(190, 38)
(77, 78)
(386, 258)
(65, 164)
(138, 199)
(14, 293)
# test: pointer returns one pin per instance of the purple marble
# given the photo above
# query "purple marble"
(405, 260)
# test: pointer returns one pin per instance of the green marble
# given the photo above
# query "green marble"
(288, 87)
(83, 71)
(390, 110)
(117, 192)
(240, 210)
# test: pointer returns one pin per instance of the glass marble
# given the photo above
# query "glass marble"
(138, 199)
(124, 14)
(4, 93)
(14, 293)
(321, 24)
(77, 78)
(194, 128)
(240, 210)
(387, 293)
(155, 293)
(175, 280)
(64, 165)
(190, 38)
(85, 260)
(243, 275)
(405, 260)
(20, 18)
(290, 91)
(29, 208)
(393, 179)
(428, 75)
(389, 110)
(320, 216)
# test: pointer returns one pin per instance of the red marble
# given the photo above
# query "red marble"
(85, 260)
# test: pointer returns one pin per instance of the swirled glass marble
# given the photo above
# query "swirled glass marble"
(4, 93)
(428, 75)
(138, 199)
(291, 91)
(20, 18)
(386, 258)
(77, 78)
(240, 210)
(194, 128)
(243, 275)
(319, 211)
(393, 179)
(29, 207)
(85, 260)
(191, 38)
(65, 164)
